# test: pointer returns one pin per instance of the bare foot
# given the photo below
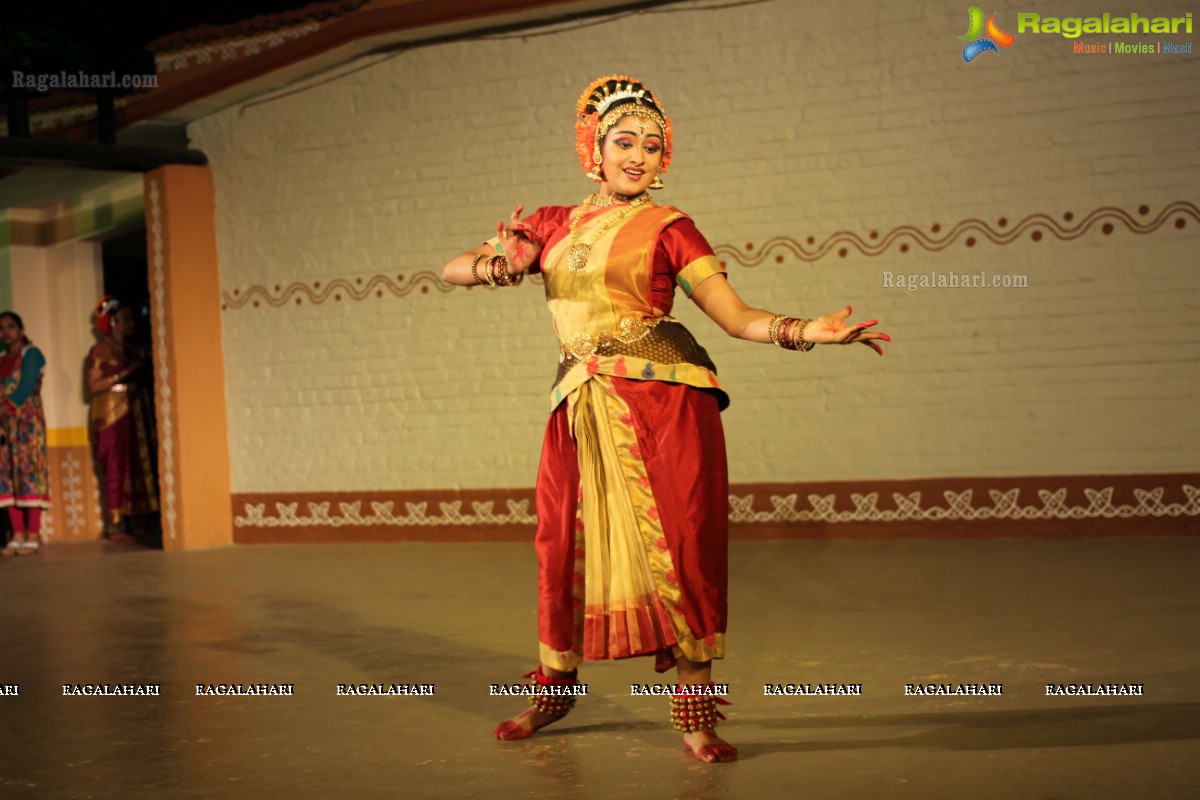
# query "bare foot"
(706, 746)
(525, 724)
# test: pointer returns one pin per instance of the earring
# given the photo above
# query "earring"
(594, 172)
(657, 183)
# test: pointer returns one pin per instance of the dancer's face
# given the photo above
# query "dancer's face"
(10, 332)
(631, 155)
(123, 323)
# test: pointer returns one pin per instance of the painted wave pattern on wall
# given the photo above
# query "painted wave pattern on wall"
(338, 289)
(1037, 226)
(902, 238)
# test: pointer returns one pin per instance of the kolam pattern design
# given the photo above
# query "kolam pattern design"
(1051, 504)
(960, 506)
(76, 515)
(232, 50)
(255, 515)
(162, 366)
(1037, 226)
(64, 117)
(72, 491)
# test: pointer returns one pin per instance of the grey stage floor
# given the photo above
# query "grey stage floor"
(1024, 613)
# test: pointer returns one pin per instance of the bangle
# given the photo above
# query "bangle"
(788, 333)
(475, 268)
(498, 271)
(796, 334)
(773, 328)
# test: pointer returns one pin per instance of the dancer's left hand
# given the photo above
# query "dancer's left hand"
(834, 329)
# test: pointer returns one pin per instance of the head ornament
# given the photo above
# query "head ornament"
(607, 100)
(106, 309)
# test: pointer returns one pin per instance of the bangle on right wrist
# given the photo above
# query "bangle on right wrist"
(475, 268)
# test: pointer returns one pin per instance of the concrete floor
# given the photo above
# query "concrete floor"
(881, 613)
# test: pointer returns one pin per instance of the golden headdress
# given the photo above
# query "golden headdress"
(604, 102)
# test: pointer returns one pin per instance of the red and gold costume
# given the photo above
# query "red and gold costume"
(632, 495)
(123, 434)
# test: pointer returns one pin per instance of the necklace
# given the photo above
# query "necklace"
(597, 200)
(577, 255)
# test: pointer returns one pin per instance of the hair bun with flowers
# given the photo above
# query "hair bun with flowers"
(103, 315)
(605, 101)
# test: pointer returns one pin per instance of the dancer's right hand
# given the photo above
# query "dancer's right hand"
(518, 243)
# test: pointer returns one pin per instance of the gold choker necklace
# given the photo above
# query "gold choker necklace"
(577, 255)
(596, 200)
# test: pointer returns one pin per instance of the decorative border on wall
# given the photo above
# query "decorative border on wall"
(1037, 225)
(162, 367)
(434, 515)
(66, 116)
(902, 237)
(75, 515)
(1122, 505)
(317, 292)
(317, 11)
(231, 50)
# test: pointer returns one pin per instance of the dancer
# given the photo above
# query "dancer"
(122, 429)
(632, 489)
(24, 478)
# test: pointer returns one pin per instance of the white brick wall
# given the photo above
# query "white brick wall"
(792, 119)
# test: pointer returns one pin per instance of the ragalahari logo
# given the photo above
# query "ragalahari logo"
(979, 44)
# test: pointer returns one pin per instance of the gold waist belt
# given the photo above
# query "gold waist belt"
(108, 407)
(660, 340)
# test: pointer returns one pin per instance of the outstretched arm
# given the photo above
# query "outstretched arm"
(721, 303)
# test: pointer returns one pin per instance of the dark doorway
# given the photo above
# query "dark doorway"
(127, 277)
